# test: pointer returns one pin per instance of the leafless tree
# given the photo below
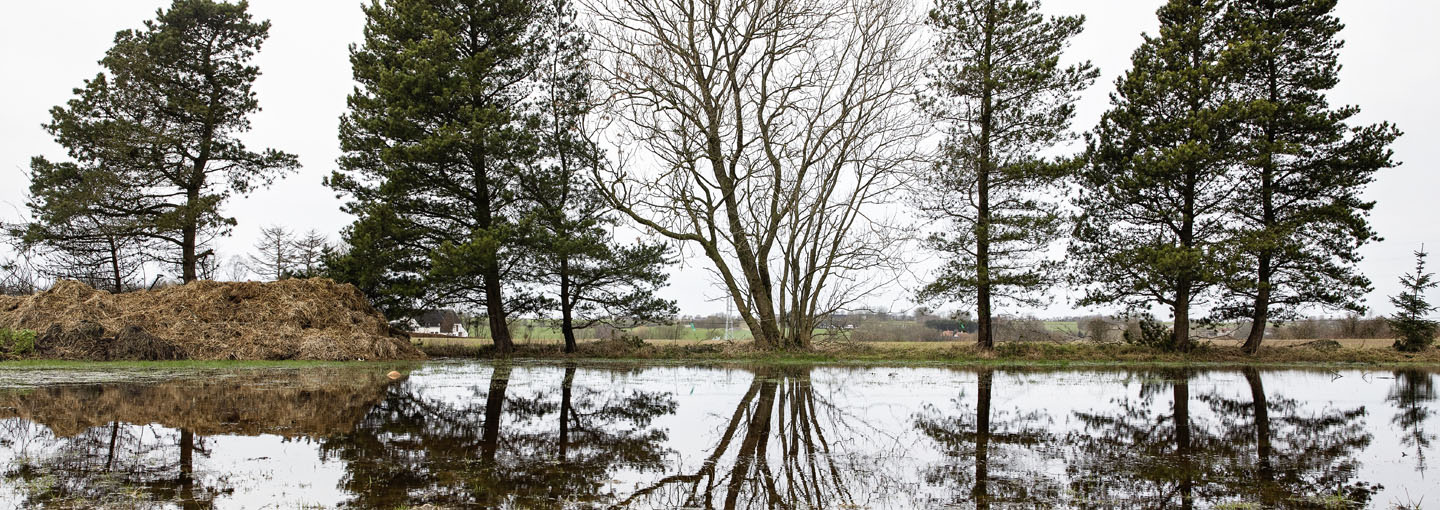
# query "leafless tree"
(773, 134)
(308, 251)
(274, 253)
(236, 269)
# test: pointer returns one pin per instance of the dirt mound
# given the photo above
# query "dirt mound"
(314, 319)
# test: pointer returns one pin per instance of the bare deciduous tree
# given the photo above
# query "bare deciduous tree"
(274, 253)
(773, 134)
(308, 251)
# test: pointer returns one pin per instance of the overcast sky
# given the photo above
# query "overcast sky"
(48, 48)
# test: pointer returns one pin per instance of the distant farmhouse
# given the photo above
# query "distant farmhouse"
(438, 322)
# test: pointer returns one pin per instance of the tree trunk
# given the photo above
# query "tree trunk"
(187, 469)
(565, 416)
(1180, 341)
(984, 332)
(115, 265)
(494, 410)
(981, 492)
(490, 266)
(1261, 314)
(1182, 440)
(567, 308)
(188, 235)
(1265, 468)
(752, 447)
(114, 436)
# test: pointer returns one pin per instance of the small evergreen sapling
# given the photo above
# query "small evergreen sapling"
(1414, 333)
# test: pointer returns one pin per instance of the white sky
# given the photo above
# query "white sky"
(48, 48)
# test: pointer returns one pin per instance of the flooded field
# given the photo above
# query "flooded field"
(476, 435)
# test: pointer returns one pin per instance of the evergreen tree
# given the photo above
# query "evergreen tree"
(1155, 193)
(594, 277)
(384, 259)
(437, 131)
(1300, 217)
(154, 136)
(1003, 98)
(1414, 332)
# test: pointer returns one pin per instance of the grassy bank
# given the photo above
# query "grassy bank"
(1372, 352)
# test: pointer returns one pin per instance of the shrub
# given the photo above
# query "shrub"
(1095, 329)
(17, 341)
(1148, 332)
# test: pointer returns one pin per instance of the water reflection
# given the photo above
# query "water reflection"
(785, 445)
(496, 448)
(1412, 390)
(792, 437)
(128, 443)
(1261, 450)
(990, 451)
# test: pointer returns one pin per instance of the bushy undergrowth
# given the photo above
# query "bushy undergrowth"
(17, 341)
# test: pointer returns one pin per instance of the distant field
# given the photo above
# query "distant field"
(1067, 327)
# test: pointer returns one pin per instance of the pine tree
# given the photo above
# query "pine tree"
(438, 131)
(594, 277)
(1301, 219)
(380, 255)
(1155, 192)
(158, 129)
(1414, 332)
(1003, 98)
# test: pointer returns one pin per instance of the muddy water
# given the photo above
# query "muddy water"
(475, 435)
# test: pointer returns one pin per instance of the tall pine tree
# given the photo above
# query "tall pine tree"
(158, 129)
(1157, 188)
(593, 277)
(438, 132)
(1299, 216)
(1003, 98)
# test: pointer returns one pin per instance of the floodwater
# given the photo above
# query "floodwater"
(477, 435)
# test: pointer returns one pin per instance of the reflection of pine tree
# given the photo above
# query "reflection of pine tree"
(1282, 448)
(1265, 449)
(498, 448)
(990, 437)
(1412, 390)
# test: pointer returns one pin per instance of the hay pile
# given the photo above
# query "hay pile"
(314, 319)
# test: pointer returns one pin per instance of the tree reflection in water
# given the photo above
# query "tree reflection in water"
(783, 447)
(539, 450)
(121, 444)
(977, 443)
(1412, 390)
(796, 438)
(1261, 450)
